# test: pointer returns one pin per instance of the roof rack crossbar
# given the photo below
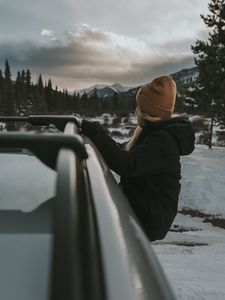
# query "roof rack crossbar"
(59, 121)
(44, 146)
(76, 268)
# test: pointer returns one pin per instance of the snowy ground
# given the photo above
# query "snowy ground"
(203, 182)
(194, 260)
(193, 255)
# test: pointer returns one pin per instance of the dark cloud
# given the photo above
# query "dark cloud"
(163, 30)
(155, 19)
(91, 56)
(139, 73)
(23, 19)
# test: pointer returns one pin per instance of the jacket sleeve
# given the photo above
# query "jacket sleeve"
(148, 158)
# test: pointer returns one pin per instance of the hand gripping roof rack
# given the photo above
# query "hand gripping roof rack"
(76, 266)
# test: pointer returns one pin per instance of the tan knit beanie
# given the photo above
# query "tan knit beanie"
(157, 98)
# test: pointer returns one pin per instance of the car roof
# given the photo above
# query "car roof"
(25, 182)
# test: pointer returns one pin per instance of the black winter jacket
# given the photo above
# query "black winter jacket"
(150, 172)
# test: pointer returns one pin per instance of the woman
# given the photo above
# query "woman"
(149, 165)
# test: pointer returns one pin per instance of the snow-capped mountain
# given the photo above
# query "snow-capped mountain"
(185, 76)
(104, 91)
(120, 88)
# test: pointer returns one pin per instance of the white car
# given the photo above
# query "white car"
(66, 229)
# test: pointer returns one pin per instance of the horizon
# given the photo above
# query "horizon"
(71, 91)
(80, 45)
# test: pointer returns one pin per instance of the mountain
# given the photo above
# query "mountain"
(185, 76)
(104, 91)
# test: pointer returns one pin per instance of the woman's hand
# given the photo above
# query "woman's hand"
(89, 128)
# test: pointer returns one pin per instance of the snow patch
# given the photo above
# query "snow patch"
(203, 177)
(194, 260)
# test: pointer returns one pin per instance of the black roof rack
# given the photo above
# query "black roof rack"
(44, 146)
(77, 268)
(59, 121)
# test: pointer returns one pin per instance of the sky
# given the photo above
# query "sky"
(79, 43)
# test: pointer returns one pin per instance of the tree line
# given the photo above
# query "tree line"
(23, 97)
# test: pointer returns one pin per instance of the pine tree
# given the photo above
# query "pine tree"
(84, 100)
(7, 73)
(40, 97)
(115, 102)
(1, 91)
(17, 85)
(40, 85)
(210, 60)
(74, 105)
(7, 95)
(1, 83)
(23, 76)
(29, 98)
(48, 95)
(18, 92)
(28, 85)
(50, 84)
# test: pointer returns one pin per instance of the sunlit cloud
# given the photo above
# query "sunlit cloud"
(88, 55)
(49, 34)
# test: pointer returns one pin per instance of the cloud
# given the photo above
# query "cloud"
(88, 55)
(47, 32)
(157, 20)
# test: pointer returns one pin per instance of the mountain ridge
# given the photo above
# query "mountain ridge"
(104, 90)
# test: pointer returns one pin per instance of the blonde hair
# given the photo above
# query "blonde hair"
(141, 118)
